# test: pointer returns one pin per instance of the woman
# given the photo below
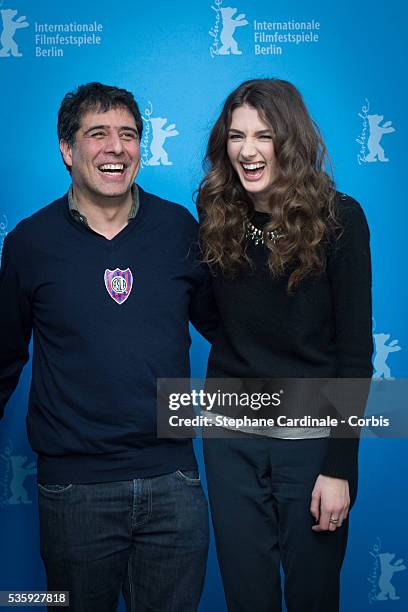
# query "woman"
(291, 276)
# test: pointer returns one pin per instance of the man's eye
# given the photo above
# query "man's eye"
(129, 136)
(98, 134)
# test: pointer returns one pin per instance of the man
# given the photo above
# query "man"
(107, 278)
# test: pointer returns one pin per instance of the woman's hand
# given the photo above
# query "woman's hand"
(330, 503)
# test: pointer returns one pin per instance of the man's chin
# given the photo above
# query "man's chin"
(114, 191)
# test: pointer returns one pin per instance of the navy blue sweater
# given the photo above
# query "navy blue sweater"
(92, 406)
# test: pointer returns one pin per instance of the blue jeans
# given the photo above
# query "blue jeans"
(147, 537)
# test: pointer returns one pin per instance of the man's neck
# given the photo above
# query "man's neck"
(107, 217)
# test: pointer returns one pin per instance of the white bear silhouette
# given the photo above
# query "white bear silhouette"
(387, 590)
(382, 350)
(9, 29)
(229, 25)
(376, 133)
(19, 473)
(159, 155)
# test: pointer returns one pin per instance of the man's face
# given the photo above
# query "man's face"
(105, 157)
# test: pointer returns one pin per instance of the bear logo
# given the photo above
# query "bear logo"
(229, 25)
(382, 350)
(3, 230)
(8, 44)
(376, 152)
(19, 471)
(388, 569)
(160, 133)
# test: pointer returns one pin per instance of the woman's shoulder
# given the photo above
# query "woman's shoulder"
(348, 210)
(351, 229)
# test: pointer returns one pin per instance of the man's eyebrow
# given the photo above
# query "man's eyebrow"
(104, 127)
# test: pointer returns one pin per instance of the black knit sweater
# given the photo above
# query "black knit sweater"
(323, 329)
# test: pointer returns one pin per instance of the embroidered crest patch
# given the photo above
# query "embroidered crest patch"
(119, 284)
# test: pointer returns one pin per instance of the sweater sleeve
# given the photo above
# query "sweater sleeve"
(349, 271)
(16, 326)
(203, 312)
(203, 308)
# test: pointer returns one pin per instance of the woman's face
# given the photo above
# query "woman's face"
(251, 152)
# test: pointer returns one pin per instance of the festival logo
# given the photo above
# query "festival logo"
(51, 40)
(155, 134)
(223, 30)
(119, 284)
(383, 347)
(269, 36)
(3, 231)
(14, 470)
(384, 567)
(11, 23)
(373, 129)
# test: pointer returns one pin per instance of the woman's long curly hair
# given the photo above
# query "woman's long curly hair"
(302, 201)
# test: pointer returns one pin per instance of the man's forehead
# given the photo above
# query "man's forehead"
(114, 117)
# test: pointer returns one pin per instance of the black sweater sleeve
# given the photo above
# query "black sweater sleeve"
(204, 313)
(349, 271)
(15, 318)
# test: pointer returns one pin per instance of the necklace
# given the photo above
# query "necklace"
(258, 236)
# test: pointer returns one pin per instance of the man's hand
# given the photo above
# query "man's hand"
(330, 503)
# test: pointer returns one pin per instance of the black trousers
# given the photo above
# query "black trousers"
(260, 493)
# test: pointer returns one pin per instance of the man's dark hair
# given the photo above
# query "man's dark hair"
(93, 97)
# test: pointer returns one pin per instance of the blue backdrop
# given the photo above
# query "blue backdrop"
(181, 59)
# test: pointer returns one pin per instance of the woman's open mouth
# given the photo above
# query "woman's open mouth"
(253, 171)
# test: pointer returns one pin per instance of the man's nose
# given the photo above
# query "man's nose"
(113, 143)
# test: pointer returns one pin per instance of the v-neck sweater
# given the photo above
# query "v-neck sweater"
(97, 353)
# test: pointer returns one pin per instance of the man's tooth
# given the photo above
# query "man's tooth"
(114, 167)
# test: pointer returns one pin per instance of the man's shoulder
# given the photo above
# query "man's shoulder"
(167, 211)
(43, 220)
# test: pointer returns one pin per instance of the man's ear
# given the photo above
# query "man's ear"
(66, 152)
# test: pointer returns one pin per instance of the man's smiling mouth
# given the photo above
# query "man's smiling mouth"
(112, 169)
